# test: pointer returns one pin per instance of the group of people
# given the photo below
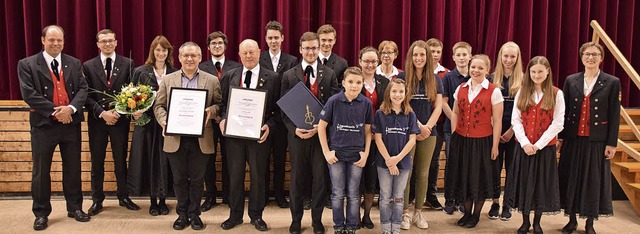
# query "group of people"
(381, 132)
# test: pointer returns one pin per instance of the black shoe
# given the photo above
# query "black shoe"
(164, 209)
(79, 215)
(306, 204)
(180, 223)
(229, 224)
(327, 203)
(295, 228)
(225, 201)
(569, 228)
(463, 221)
(524, 229)
(366, 224)
(196, 223)
(259, 224)
(339, 230)
(154, 210)
(537, 229)
(506, 213)
(282, 203)
(208, 203)
(433, 203)
(318, 228)
(127, 202)
(494, 212)
(449, 208)
(40, 223)
(472, 222)
(95, 208)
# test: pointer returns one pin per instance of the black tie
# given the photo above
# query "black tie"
(324, 61)
(247, 80)
(108, 68)
(308, 73)
(54, 68)
(218, 67)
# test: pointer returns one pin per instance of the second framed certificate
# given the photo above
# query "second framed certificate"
(186, 115)
(245, 113)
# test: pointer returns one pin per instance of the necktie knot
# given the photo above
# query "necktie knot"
(324, 61)
(54, 68)
(309, 71)
(218, 67)
(247, 79)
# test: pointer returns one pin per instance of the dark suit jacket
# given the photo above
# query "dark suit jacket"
(96, 79)
(327, 83)
(36, 86)
(604, 119)
(286, 62)
(210, 68)
(267, 80)
(381, 85)
(337, 64)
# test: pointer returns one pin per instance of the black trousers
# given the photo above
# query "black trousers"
(188, 166)
(99, 135)
(241, 152)
(279, 149)
(505, 156)
(43, 142)
(307, 155)
(210, 176)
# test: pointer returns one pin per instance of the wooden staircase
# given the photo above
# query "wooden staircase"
(625, 166)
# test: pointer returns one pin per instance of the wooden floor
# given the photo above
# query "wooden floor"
(16, 217)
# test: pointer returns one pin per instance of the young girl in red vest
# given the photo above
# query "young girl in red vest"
(536, 120)
(476, 122)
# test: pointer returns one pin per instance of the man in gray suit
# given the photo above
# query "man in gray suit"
(52, 85)
(188, 156)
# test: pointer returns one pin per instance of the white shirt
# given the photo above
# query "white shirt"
(372, 87)
(440, 68)
(322, 57)
(254, 76)
(474, 90)
(394, 72)
(275, 59)
(315, 70)
(103, 58)
(48, 58)
(160, 76)
(214, 60)
(587, 88)
(551, 132)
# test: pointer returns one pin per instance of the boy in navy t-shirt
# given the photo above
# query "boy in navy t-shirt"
(345, 135)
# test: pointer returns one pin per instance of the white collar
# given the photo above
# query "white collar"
(271, 55)
(103, 58)
(214, 60)
(48, 58)
(314, 65)
(254, 71)
(321, 56)
(484, 83)
(394, 72)
(440, 68)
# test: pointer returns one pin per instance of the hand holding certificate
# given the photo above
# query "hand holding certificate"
(186, 113)
(245, 113)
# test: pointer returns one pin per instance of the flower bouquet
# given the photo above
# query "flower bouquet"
(134, 99)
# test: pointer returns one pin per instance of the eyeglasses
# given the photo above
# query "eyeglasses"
(369, 61)
(309, 48)
(586, 55)
(107, 41)
(190, 56)
(387, 53)
(220, 43)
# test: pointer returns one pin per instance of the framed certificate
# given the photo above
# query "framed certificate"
(186, 115)
(245, 113)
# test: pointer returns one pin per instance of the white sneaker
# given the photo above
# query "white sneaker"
(419, 221)
(406, 222)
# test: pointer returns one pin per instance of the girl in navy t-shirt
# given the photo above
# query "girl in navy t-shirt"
(345, 136)
(395, 127)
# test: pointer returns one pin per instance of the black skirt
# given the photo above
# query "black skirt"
(149, 172)
(469, 170)
(585, 178)
(532, 183)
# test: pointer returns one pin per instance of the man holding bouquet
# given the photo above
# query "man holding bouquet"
(106, 74)
(188, 156)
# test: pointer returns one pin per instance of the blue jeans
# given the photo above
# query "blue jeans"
(345, 181)
(392, 198)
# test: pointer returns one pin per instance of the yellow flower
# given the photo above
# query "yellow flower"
(131, 103)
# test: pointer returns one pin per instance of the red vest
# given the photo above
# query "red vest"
(583, 126)
(474, 118)
(536, 120)
(373, 97)
(313, 87)
(60, 96)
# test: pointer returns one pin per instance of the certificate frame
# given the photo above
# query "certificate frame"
(245, 113)
(186, 112)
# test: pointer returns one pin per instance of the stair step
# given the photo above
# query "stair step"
(630, 166)
(635, 185)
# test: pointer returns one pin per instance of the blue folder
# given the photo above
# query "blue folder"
(301, 106)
